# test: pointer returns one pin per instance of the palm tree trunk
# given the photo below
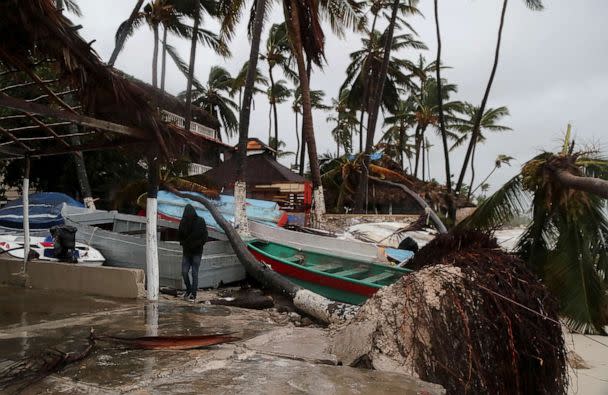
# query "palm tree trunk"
(482, 182)
(401, 143)
(276, 129)
(120, 41)
(361, 131)
(297, 139)
(240, 188)
(163, 62)
(418, 136)
(303, 154)
(270, 124)
(593, 185)
(155, 58)
(152, 270)
(191, 66)
(444, 136)
(337, 148)
(375, 105)
(293, 22)
(472, 173)
(306, 301)
(423, 159)
(482, 107)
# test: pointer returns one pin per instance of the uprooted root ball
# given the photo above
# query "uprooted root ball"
(458, 321)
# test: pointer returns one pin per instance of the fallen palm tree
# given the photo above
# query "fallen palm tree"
(565, 241)
(472, 318)
(313, 304)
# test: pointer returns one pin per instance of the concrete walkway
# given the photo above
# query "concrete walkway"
(270, 358)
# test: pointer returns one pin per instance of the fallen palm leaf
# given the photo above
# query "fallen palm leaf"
(24, 372)
(170, 342)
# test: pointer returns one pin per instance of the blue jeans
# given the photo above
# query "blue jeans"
(194, 262)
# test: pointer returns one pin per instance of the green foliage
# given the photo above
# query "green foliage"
(565, 242)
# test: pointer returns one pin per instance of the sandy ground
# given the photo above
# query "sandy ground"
(594, 351)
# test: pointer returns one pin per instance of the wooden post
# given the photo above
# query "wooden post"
(26, 213)
(152, 275)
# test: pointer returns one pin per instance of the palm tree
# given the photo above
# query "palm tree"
(316, 98)
(279, 147)
(367, 62)
(171, 14)
(500, 160)
(345, 120)
(533, 5)
(488, 122)
(565, 242)
(277, 93)
(214, 97)
(238, 83)
(403, 117)
(427, 108)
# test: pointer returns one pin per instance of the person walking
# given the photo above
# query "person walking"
(192, 235)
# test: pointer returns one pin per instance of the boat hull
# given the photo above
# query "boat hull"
(219, 264)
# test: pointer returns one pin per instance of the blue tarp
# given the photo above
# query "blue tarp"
(45, 210)
(258, 210)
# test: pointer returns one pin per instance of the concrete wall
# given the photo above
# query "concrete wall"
(102, 280)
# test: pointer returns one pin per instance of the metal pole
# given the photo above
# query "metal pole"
(26, 213)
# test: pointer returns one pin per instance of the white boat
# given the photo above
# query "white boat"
(120, 237)
(13, 246)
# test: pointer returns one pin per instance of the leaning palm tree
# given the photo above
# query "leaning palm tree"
(489, 122)
(277, 93)
(214, 97)
(566, 240)
(533, 5)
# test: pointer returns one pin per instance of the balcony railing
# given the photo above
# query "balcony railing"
(195, 169)
(195, 127)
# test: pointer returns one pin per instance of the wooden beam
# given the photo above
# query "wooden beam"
(95, 146)
(47, 128)
(6, 88)
(33, 108)
(38, 126)
(15, 139)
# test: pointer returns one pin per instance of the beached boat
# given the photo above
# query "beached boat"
(335, 277)
(44, 247)
(120, 237)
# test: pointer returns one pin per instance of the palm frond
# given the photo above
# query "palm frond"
(507, 202)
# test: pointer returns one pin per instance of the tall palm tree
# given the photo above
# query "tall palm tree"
(375, 98)
(316, 98)
(214, 97)
(535, 5)
(277, 54)
(427, 112)
(172, 15)
(565, 242)
(238, 83)
(367, 62)
(401, 119)
(489, 122)
(277, 93)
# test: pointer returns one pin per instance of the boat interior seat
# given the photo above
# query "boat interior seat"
(295, 259)
(378, 277)
(325, 267)
(352, 271)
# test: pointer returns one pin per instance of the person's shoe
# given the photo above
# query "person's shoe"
(192, 298)
(186, 295)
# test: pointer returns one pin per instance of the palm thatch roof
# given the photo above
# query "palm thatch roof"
(57, 96)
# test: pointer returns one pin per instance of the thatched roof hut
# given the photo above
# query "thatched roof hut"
(56, 88)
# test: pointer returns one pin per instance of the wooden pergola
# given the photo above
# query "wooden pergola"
(58, 97)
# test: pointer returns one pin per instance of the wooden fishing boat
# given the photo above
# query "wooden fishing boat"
(337, 278)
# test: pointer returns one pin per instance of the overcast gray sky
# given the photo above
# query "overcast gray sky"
(552, 70)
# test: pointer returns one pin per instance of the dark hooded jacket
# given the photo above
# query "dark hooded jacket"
(192, 233)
